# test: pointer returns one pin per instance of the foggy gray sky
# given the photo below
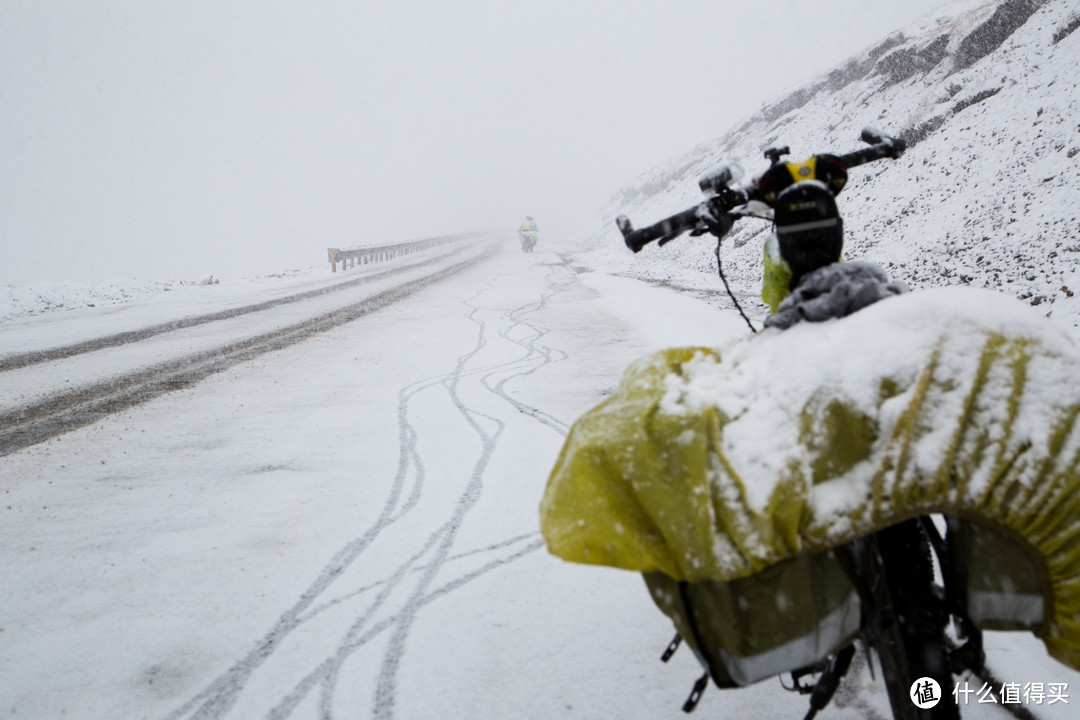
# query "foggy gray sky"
(169, 140)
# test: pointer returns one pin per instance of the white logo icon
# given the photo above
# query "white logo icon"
(925, 693)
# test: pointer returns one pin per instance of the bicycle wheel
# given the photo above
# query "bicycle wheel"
(911, 618)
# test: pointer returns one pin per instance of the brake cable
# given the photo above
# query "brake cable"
(720, 270)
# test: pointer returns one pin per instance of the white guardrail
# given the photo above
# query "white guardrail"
(351, 257)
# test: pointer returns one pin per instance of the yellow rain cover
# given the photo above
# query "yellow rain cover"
(715, 464)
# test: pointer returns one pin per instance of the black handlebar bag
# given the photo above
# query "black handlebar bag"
(809, 229)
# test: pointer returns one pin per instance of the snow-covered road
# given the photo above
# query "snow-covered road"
(347, 527)
(63, 378)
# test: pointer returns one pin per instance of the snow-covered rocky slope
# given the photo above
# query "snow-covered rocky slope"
(987, 96)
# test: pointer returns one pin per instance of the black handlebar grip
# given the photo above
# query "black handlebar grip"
(881, 146)
(888, 145)
(665, 230)
(634, 239)
(870, 136)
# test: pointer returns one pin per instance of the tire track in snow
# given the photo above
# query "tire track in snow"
(387, 685)
(387, 682)
(330, 604)
(532, 350)
(221, 695)
(327, 674)
(288, 706)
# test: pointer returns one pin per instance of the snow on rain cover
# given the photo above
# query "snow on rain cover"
(713, 464)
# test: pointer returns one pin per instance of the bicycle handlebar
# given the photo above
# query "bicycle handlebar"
(881, 146)
(695, 219)
(664, 231)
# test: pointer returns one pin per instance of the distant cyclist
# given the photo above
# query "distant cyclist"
(527, 234)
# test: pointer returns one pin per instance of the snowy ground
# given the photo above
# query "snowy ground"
(348, 527)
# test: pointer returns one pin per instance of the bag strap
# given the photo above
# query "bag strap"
(695, 635)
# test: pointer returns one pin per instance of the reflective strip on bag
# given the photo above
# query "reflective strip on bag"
(834, 630)
(1012, 608)
(803, 227)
